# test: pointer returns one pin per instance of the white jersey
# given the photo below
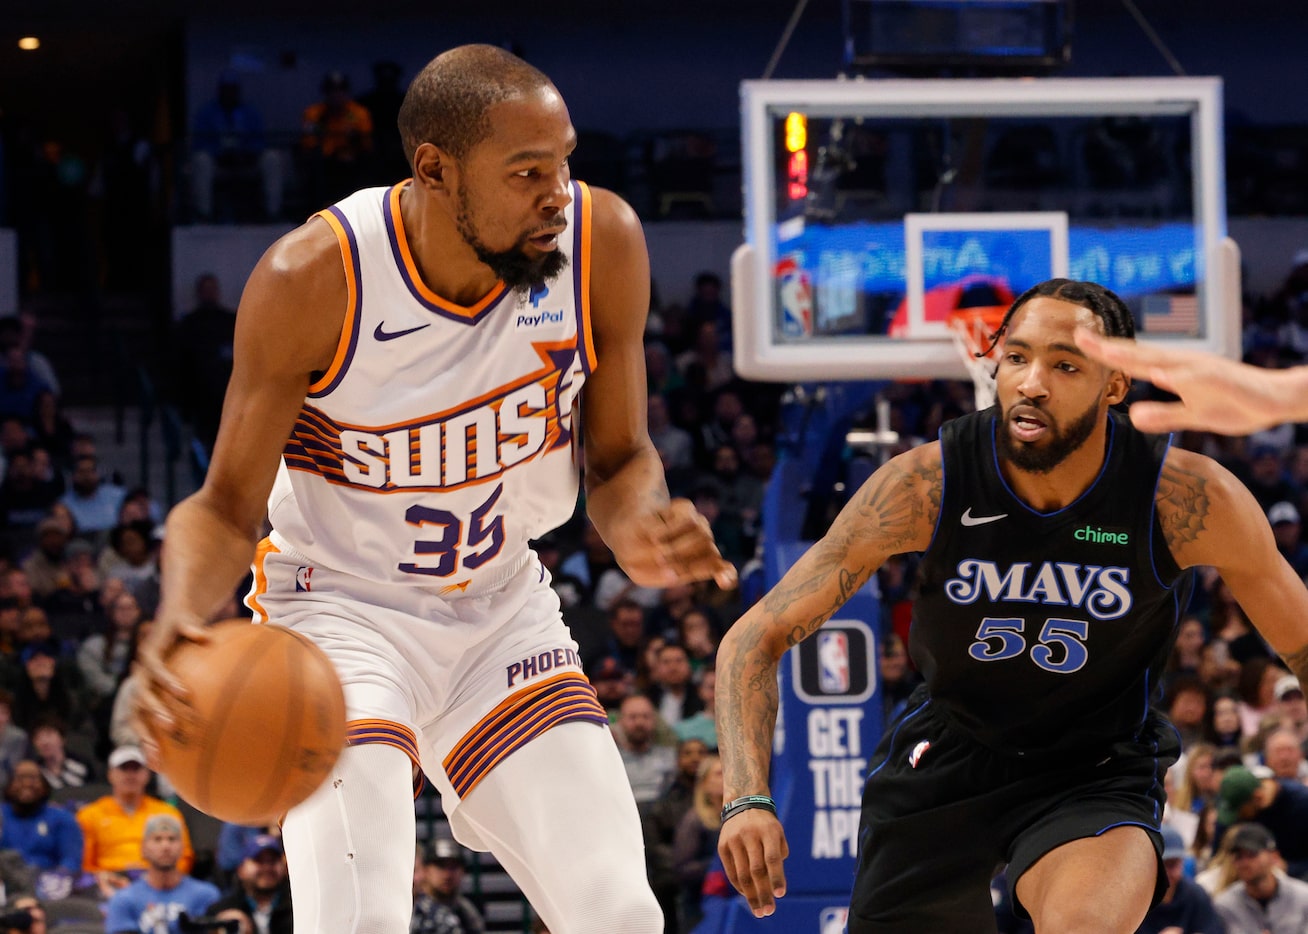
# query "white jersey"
(440, 441)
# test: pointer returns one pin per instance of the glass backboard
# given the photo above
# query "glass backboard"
(874, 209)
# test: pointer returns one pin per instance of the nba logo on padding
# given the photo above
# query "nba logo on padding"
(832, 920)
(836, 664)
(303, 583)
(833, 662)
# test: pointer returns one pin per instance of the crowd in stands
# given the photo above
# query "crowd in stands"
(79, 583)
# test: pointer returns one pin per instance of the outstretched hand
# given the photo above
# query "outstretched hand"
(753, 847)
(1216, 394)
(672, 545)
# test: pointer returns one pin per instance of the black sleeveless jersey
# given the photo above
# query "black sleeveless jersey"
(1046, 632)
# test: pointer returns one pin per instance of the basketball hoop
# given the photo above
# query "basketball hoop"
(970, 329)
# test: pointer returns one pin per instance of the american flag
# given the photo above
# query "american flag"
(1170, 314)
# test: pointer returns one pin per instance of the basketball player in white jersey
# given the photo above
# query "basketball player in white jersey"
(404, 404)
(1216, 394)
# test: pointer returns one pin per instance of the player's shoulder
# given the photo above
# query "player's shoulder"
(610, 213)
(1188, 473)
(304, 251)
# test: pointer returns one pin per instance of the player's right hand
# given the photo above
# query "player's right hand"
(162, 701)
(1215, 394)
(753, 846)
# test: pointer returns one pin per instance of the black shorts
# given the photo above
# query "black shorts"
(942, 814)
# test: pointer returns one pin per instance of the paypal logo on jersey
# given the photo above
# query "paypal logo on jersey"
(1103, 591)
(540, 319)
(538, 291)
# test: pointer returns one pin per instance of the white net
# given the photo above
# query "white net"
(970, 333)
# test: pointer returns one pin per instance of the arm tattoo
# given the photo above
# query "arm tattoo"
(1183, 505)
(747, 713)
(888, 515)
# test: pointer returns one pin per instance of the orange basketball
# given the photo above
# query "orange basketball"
(268, 723)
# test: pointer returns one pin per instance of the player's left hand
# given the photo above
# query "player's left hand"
(672, 545)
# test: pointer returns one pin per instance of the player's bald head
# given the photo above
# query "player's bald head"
(448, 103)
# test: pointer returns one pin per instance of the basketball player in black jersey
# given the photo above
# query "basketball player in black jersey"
(1057, 539)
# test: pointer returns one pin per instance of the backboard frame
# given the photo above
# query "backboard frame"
(760, 355)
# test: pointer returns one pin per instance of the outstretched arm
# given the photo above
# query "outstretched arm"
(894, 511)
(1216, 394)
(657, 541)
(1210, 518)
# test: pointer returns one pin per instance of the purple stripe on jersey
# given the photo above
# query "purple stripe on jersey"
(578, 300)
(398, 257)
(358, 305)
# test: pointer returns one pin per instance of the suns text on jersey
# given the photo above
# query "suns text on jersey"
(465, 446)
(1104, 592)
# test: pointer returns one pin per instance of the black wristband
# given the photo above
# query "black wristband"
(745, 803)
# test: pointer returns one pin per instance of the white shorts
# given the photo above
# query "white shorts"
(457, 683)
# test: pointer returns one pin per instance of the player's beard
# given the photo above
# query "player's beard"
(1057, 444)
(513, 266)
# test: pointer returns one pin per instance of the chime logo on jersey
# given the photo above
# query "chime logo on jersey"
(303, 582)
(1104, 592)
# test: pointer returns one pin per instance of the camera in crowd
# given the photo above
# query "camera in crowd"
(17, 920)
(207, 925)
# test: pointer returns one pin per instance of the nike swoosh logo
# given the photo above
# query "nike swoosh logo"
(391, 335)
(969, 519)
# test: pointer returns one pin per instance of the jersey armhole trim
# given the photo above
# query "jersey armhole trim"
(581, 275)
(349, 339)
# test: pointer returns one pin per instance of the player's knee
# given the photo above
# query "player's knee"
(383, 915)
(610, 902)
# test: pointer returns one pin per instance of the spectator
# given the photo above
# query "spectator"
(649, 767)
(337, 141)
(51, 429)
(706, 304)
(201, 359)
(16, 334)
(672, 693)
(898, 678)
(1279, 806)
(115, 825)
(1286, 526)
(26, 498)
(1291, 706)
(705, 366)
(1258, 679)
(45, 687)
(1227, 729)
(130, 556)
(60, 768)
(48, 837)
(1284, 756)
(155, 900)
(35, 911)
(696, 840)
(1185, 908)
(19, 385)
(1186, 702)
(262, 893)
(698, 635)
(383, 101)
(13, 739)
(93, 501)
(626, 627)
(1187, 653)
(233, 841)
(228, 142)
(104, 656)
(1197, 785)
(675, 445)
(1265, 901)
(47, 567)
(440, 907)
(702, 725)
(612, 683)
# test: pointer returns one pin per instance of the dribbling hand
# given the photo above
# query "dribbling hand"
(753, 846)
(161, 700)
(672, 545)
